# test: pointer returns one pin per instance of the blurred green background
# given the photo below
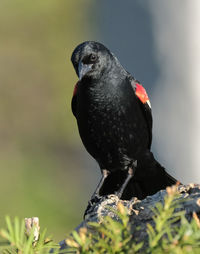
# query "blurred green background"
(43, 170)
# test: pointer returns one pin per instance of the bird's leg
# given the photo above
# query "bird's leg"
(104, 176)
(131, 172)
(95, 196)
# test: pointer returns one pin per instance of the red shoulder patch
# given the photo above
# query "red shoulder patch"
(141, 93)
(75, 89)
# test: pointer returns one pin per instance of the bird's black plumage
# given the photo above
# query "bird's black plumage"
(115, 121)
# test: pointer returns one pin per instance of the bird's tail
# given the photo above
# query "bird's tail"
(150, 177)
(171, 180)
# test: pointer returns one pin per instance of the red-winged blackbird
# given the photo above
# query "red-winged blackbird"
(114, 118)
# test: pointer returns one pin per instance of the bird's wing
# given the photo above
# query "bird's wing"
(145, 105)
(74, 100)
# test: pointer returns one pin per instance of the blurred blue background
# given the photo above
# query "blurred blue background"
(44, 168)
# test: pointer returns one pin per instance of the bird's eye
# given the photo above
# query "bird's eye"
(90, 59)
(93, 58)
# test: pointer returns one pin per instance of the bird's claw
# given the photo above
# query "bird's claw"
(91, 203)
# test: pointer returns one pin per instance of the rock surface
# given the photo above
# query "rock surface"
(141, 210)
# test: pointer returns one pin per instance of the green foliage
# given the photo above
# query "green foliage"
(18, 242)
(165, 236)
(171, 233)
(110, 236)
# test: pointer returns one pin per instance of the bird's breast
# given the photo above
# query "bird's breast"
(110, 123)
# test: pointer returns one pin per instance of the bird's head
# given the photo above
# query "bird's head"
(91, 59)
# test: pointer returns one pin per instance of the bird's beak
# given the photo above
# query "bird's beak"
(83, 69)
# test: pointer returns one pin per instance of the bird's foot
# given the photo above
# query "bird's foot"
(95, 199)
(96, 195)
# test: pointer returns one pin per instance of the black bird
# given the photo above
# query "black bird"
(114, 118)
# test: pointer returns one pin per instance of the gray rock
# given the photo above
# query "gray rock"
(141, 210)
